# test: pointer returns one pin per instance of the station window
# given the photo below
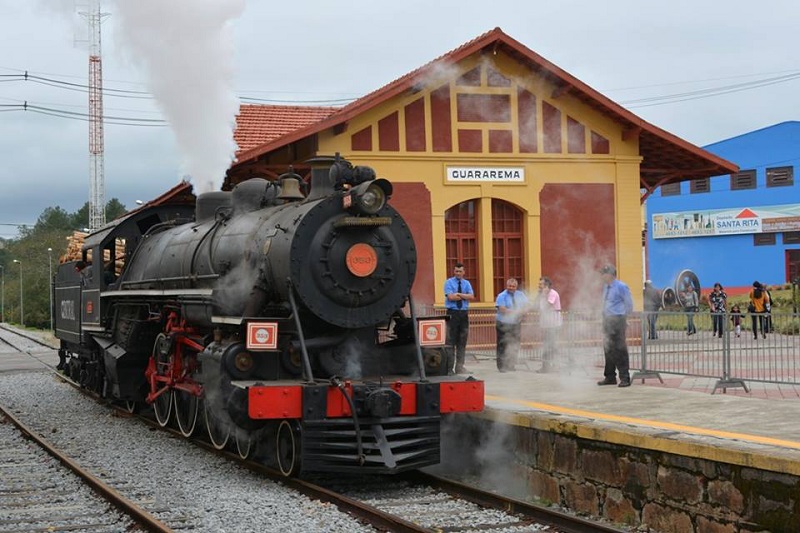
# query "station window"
(745, 179)
(507, 244)
(671, 189)
(461, 241)
(701, 185)
(780, 177)
(763, 239)
(791, 237)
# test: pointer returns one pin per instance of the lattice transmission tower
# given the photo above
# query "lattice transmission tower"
(97, 193)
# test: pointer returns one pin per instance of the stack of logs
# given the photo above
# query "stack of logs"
(75, 245)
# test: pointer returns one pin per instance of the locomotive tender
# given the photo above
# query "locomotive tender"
(270, 318)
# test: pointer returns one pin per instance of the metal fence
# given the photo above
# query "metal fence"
(733, 359)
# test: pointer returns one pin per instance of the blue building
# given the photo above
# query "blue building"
(732, 229)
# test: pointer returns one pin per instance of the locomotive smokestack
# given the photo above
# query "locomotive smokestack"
(321, 182)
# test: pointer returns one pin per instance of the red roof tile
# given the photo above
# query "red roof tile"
(257, 125)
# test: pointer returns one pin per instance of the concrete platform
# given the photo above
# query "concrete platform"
(757, 429)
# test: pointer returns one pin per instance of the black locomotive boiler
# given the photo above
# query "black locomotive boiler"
(270, 318)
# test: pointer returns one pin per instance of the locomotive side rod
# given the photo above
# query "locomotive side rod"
(303, 350)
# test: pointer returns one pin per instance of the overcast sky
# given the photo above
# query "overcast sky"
(655, 58)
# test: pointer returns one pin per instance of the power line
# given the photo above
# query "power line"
(687, 82)
(709, 92)
(74, 115)
(142, 95)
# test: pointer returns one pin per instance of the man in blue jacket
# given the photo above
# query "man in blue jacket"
(617, 305)
(457, 295)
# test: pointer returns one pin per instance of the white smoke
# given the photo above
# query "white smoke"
(186, 50)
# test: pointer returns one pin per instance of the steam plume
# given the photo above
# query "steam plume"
(186, 50)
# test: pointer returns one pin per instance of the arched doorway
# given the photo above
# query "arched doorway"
(461, 241)
(508, 249)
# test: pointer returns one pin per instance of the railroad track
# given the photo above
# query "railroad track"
(433, 503)
(41, 489)
(7, 332)
(415, 502)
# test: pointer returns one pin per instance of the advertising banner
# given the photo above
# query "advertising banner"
(734, 221)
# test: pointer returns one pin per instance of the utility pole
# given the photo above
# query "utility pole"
(51, 285)
(21, 296)
(97, 202)
(3, 294)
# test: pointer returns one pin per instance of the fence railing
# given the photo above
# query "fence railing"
(771, 356)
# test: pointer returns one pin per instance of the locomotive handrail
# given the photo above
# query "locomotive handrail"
(420, 361)
(212, 229)
(165, 280)
(303, 350)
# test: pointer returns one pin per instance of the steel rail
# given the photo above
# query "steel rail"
(139, 515)
(366, 513)
(564, 522)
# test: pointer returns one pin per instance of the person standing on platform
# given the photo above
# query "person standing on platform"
(767, 310)
(511, 305)
(617, 305)
(736, 318)
(691, 303)
(457, 295)
(652, 304)
(548, 302)
(718, 302)
(758, 308)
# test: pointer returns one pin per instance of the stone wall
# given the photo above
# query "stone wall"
(633, 486)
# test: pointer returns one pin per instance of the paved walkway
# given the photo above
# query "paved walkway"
(590, 367)
(682, 410)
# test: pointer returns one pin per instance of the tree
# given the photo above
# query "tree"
(52, 228)
(54, 218)
(80, 219)
(114, 209)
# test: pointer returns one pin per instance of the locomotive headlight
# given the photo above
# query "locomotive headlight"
(371, 196)
(372, 200)
(244, 362)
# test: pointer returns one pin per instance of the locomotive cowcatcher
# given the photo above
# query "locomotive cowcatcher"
(279, 322)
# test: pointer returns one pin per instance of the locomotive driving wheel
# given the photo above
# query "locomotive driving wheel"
(162, 405)
(287, 448)
(219, 431)
(186, 411)
(244, 443)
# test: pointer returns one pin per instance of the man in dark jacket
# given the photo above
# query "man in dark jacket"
(652, 303)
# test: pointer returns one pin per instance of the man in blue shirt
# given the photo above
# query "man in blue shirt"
(511, 305)
(617, 304)
(457, 295)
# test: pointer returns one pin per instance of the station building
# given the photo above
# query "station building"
(499, 159)
(736, 228)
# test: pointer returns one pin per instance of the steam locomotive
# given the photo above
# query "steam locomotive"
(273, 319)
